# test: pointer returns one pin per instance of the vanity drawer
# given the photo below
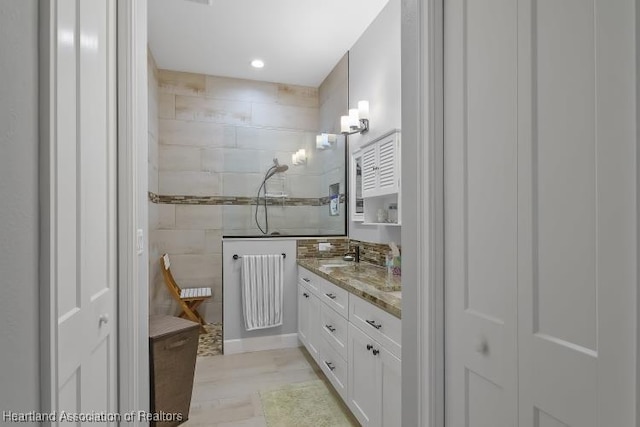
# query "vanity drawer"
(335, 297)
(335, 368)
(310, 280)
(380, 325)
(334, 329)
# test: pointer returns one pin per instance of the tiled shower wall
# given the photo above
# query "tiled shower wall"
(157, 296)
(217, 138)
(333, 96)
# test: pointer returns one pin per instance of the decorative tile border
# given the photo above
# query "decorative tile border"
(308, 248)
(373, 253)
(241, 200)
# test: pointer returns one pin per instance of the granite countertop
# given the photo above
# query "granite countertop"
(365, 280)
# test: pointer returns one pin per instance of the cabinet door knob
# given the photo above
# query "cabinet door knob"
(482, 346)
(306, 295)
(376, 352)
(332, 296)
(373, 324)
(369, 347)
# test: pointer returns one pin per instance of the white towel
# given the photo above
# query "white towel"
(262, 291)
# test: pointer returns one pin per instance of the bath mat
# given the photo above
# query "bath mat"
(308, 404)
(210, 343)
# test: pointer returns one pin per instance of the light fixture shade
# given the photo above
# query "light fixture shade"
(363, 109)
(294, 159)
(302, 155)
(344, 124)
(354, 118)
(322, 141)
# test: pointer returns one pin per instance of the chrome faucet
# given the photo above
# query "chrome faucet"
(355, 253)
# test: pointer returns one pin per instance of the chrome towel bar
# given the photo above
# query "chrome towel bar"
(236, 256)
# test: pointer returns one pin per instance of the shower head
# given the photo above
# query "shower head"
(276, 168)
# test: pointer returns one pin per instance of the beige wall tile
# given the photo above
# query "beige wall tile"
(239, 218)
(179, 158)
(241, 184)
(211, 311)
(153, 178)
(176, 242)
(241, 90)
(166, 216)
(256, 138)
(301, 96)
(212, 159)
(213, 241)
(246, 161)
(189, 183)
(153, 150)
(284, 116)
(307, 186)
(199, 217)
(203, 134)
(186, 267)
(154, 214)
(213, 110)
(166, 105)
(181, 83)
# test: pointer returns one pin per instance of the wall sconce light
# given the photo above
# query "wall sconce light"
(357, 121)
(325, 140)
(299, 157)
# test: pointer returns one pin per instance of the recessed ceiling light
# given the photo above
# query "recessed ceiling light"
(257, 63)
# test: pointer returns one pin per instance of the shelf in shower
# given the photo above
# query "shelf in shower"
(276, 195)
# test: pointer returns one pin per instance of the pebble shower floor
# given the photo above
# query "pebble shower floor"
(210, 343)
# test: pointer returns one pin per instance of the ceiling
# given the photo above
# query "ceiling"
(300, 41)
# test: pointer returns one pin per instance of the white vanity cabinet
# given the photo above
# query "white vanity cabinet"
(357, 346)
(375, 181)
(381, 166)
(308, 314)
(374, 375)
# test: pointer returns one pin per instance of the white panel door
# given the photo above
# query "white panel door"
(577, 213)
(84, 182)
(541, 213)
(480, 213)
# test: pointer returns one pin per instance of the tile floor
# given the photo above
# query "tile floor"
(226, 387)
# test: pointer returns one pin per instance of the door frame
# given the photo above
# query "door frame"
(423, 223)
(423, 231)
(133, 288)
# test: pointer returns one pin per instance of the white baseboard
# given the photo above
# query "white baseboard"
(272, 342)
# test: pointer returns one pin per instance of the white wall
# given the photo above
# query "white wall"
(19, 349)
(233, 319)
(374, 75)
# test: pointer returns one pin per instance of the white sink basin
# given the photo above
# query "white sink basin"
(335, 265)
